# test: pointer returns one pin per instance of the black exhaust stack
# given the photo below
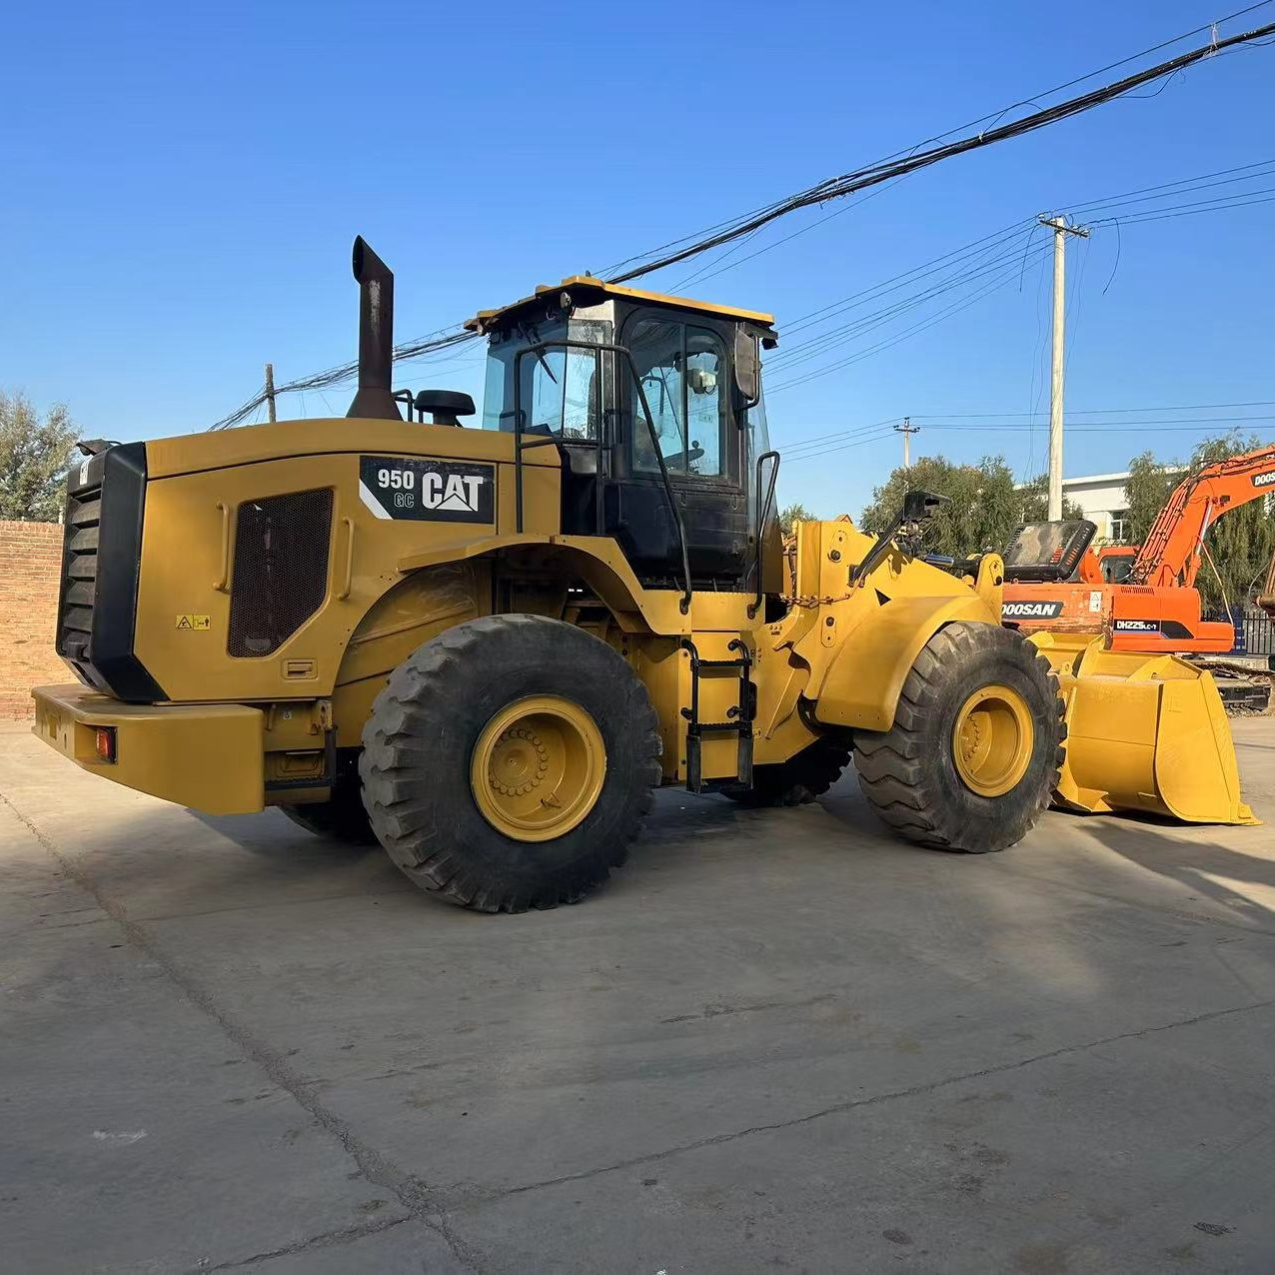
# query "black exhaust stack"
(376, 336)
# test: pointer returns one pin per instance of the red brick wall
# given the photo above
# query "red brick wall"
(30, 568)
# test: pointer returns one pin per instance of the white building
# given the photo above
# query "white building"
(1102, 500)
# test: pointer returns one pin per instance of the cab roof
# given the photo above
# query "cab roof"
(587, 290)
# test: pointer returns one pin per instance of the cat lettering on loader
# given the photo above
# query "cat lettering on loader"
(487, 648)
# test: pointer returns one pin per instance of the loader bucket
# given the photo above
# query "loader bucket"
(1144, 732)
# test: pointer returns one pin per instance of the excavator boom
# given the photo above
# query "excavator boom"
(1171, 553)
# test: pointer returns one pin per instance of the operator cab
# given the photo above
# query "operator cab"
(655, 404)
(1117, 562)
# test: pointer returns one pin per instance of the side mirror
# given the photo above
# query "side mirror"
(920, 505)
(747, 368)
(917, 507)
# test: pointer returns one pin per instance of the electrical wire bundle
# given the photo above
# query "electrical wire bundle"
(987, 265)
(900, 165)
(1014, 422)
(744, 229)
(434, 343)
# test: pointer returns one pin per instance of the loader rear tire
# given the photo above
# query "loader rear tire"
(976, 746)
(509, 763)
(797, 781)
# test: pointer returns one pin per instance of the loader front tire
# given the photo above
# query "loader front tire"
(976, 746)
(509, 762)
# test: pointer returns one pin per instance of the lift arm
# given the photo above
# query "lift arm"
(1171, 553)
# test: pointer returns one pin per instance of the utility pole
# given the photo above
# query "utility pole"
(907, 429)
(1061, 230)
(270, 392)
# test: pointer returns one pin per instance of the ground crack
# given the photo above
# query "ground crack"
(875, 1099)
(325, 1240)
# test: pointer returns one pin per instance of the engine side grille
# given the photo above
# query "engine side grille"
(280, 571)
(101, 573)
(79, 573)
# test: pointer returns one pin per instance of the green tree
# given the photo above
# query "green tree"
(34, 457)
(1240, 543)
(796, 512)
(984, 503)
(1150, 484)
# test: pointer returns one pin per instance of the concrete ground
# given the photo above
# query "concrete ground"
(778, 1040)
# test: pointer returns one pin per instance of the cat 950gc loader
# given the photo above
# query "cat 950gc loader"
(487, 647)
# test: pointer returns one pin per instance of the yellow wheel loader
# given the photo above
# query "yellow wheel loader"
(487, 647)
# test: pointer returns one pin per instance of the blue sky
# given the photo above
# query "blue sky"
(184, 183)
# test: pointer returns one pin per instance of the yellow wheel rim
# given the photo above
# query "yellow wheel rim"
(538, 768)
(992, 740)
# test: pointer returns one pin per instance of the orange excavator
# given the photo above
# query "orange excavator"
(1055, 582)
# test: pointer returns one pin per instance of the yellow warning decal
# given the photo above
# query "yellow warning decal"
(197, 623)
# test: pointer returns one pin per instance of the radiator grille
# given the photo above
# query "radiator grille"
(281, 569)
(79, 573)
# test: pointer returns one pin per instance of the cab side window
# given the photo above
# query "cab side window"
(681, 370)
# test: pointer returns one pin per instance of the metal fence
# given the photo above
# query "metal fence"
(1254, 634)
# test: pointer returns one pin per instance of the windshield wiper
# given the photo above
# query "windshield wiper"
(537, 351)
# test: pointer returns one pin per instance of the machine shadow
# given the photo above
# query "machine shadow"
(272, 834)
(1208, 868)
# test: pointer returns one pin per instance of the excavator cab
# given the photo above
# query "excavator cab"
(655, 405)
(1115, 563)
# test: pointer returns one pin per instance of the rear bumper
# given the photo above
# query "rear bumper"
(206, 756)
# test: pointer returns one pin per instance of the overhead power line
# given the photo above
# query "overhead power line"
(1229, 176)
(857, 436)
(832, 309)
(1008, 274)
(1092, 411)
(819, 441)
(443, 339)
(1110, 427)
(993, 116)
(981, 266)
(891, 169)
(1248, 200)
(888, 432)
(955, 269)
(861, 179)
(1183, 422)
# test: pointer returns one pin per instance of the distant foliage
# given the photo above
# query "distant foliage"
(35, 454)
(1150, 484)
(1241, 542)
(796, 512)
(984, 505)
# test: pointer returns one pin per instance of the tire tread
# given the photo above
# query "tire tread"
(896, 768)
(424, 850)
